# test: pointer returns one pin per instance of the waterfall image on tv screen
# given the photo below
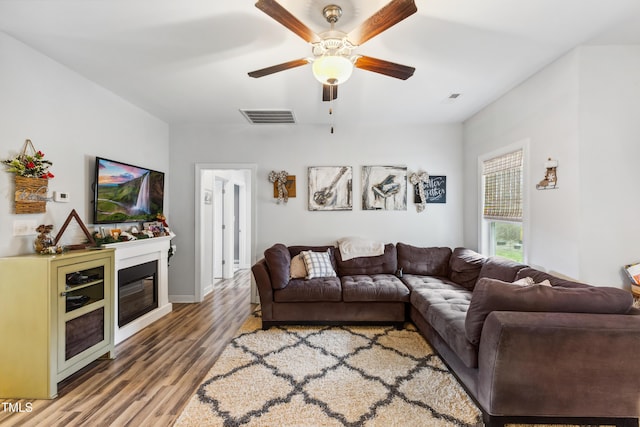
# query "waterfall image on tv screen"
(126, 193)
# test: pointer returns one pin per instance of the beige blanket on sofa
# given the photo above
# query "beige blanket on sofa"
(355, 247)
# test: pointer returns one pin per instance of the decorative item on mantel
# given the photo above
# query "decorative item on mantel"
(284, 185)
(150, 230)
(550, 181)
(633, 272)
(31, 178)
(90, 240)
(419, 179)
(44, 243)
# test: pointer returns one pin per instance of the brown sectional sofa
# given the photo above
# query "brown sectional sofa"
(526, 353)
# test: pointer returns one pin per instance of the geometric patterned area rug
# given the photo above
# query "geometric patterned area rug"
(329, 376)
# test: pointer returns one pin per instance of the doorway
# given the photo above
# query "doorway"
(225, 223)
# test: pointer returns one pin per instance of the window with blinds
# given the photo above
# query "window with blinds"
(503, 187)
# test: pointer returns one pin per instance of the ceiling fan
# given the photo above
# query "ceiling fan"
(333, 60)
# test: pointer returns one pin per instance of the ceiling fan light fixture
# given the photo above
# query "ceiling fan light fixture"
(332, 69)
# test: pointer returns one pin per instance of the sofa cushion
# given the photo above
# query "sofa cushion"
(497, 267)
(444, 305)
(465, 266)
(540, 276)
(495, 295)
(278, 261)
(314, 290)
(318, 264)
(423, 298)
(448, 319)
(424, 261)
(376, 287)
(297, 270)
(386, 263)
(414, 281)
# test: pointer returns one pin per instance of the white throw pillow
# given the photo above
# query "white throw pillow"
(318, 264)
(525, 281)
(528, 281)
(298, 269)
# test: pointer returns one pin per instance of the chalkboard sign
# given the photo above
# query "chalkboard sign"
(435, 189)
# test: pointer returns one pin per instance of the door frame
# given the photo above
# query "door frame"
(251, 236)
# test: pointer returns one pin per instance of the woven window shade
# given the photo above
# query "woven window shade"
(503, 187)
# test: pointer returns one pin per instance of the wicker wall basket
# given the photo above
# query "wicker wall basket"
(30, 195)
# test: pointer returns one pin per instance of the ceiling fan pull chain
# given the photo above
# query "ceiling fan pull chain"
(331, 105)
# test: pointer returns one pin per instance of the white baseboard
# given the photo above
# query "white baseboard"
(206, 291)
(182, 298)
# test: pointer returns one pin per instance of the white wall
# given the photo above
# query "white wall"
(609, 154)
(436, 149)
(581, 110)
(71, 120)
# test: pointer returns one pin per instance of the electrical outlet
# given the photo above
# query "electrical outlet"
(24, 227)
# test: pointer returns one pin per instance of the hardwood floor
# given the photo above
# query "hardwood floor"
(155, 372)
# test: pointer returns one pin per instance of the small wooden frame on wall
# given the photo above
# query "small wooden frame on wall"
(290, 185)
(91, 240)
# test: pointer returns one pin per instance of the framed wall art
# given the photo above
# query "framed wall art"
(384, 188)
(330, 188)
(435, 190)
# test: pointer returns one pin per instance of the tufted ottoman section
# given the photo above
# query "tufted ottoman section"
(445, 306)
(374, 287)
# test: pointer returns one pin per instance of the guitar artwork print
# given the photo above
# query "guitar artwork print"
(335, 196)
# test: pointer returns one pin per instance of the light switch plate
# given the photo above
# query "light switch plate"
(25, 227)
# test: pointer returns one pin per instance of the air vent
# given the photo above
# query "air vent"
(451, 98)
(268, 117)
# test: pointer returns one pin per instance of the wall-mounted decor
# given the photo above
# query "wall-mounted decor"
(418, 179)
(32, 176)
(282, 183)
(435, 190)
(330, 188)
(384, 188)
(289, 185)
(550, 180)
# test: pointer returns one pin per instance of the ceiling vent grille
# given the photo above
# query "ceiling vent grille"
(268, 117)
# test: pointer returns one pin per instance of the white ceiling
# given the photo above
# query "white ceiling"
(186, 61)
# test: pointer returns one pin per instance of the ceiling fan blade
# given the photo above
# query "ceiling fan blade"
(387, 68)
(329, 92)
(280, 67)
(394, 12)
(283, 16)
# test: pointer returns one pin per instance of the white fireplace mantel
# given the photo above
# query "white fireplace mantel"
(135, 252)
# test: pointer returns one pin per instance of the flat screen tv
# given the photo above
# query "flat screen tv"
(126, 193)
